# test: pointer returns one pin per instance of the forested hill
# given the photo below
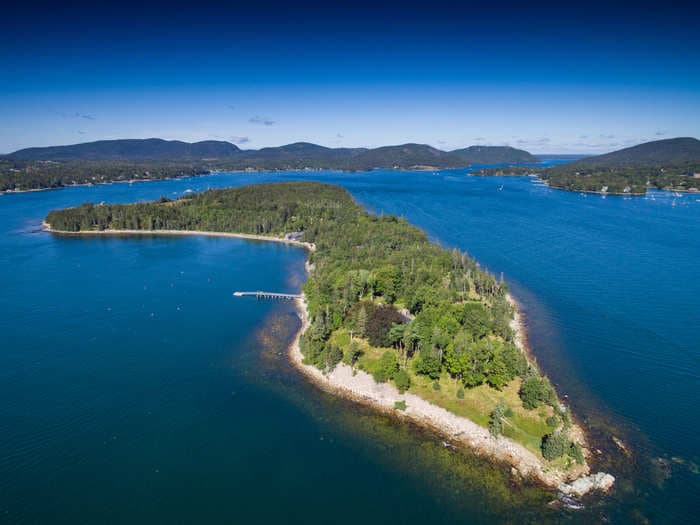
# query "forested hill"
(302, 154)
(495, 155)
(381, 298)
(663, 164)
(672, 164)
(130, 150)
(669, 151)
(115, 160)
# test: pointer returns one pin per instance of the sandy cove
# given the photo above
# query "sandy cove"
(361, 387)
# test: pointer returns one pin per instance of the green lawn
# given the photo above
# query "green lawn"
(525, 426)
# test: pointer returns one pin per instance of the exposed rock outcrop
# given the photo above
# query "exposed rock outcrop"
(595, 482)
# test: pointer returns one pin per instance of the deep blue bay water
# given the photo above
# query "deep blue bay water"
(134, 388)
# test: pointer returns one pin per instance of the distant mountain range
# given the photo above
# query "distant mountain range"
(664, 164)
(291, 156)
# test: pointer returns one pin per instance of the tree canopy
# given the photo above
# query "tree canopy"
(377, 284)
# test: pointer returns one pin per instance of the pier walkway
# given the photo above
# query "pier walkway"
(268, 295)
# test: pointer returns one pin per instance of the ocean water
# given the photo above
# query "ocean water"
(134, 388)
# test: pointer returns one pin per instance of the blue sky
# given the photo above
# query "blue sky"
(549, 80)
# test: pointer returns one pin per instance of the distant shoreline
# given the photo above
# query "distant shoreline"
(423, 169)
(594, 192)
(88, 184)
(217, 172)
(617, 193)
(417, 168)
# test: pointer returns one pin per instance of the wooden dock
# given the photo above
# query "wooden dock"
(269, 295)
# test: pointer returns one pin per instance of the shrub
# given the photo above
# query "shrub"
(312, 349)
(554, 445)
(386, 368)
(548, 395)
(535, 390)
(436, 385)
(576, 452)
(566, 417)
(400, 405)
(353, 353)
(529, 392)
(553, 421)
(496, 419)
(428, 364)
(331, 357)
(402, 380)
(460, 393)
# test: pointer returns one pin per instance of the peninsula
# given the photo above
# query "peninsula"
(389, 319)
(669, 164)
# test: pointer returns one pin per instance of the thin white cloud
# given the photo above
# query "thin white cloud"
(261, 120)
(75, 114)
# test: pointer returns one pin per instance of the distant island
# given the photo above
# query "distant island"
(148, 159)
(670, 164)
(389, 319)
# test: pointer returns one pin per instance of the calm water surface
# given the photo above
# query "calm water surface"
(134, 388)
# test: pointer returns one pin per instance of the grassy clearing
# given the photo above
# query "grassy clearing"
(524, 426)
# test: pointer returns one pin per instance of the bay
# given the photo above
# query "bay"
(135, 388)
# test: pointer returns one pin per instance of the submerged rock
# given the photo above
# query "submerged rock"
(621, 445)
(600, 482)
(569, 502)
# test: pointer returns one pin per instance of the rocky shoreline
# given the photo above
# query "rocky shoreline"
(359, 386)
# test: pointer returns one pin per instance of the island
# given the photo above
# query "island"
(389, 319)
(669, 164)
(129, 160)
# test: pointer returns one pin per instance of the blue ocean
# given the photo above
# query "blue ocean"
(135, 389)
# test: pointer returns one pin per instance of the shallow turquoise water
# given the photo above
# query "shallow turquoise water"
(134, 387)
